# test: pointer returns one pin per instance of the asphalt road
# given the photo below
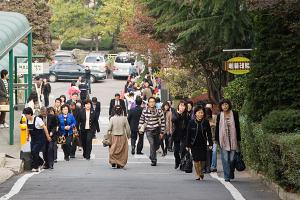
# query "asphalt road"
(95, 179)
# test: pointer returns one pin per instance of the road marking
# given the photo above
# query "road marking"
(233, 191)
(18, 185)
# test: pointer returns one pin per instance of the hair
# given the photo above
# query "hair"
(197, 108)
(117, 95)
(138, 101)
(131, 94)
(58, 99)
(182, 102)
(65, 106)
(94, 99)
(151, 98)
(63, 96)
(43, 109)
(190, 102)
(72, 104)
(4, 72)
(208, 112)
(157, 100)
(75, 93)
(225, 101)
(33, 96)
(73, 83)
(50, 109)
(201, 103)
(165, 104)
(28, 111)
(87, 101)
(118, 110)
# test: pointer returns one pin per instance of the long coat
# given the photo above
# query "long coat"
(198, 134)
(94, 126)
(180, 122)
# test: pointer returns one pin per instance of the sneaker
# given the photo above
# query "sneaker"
(35, 170)
(140, 153)
(153, 163)
(1, 125)
(6, 125)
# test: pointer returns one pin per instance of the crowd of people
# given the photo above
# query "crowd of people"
(186, 129)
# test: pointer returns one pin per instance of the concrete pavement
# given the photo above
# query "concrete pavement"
(95, 179)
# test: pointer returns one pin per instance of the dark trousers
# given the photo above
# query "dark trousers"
(86, 140)
(48, 154)
(67, 146)
(164, 143)
(140, 144)
(37, 143)
(170, 142)
(55, 147)
(208, 160)
(179, 150)
(74, 145)
(46, 98)
(154, 142)
(3, 114)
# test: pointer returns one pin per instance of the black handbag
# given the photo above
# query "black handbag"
(187, 163)
(239, 163)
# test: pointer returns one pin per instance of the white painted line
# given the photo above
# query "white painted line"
(233, 191)
(18, 185)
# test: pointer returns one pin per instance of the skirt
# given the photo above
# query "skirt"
(199, 153)
(118, 151)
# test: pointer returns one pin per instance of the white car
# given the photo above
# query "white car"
(122, 65)
(95, 62)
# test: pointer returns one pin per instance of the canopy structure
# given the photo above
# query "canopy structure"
(19, 50)
(14, 27)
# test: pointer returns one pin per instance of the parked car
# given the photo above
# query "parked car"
(95, 61)
(71, 71)
(63, 56)
(122, 65)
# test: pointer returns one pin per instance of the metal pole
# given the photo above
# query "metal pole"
(11, 97)
(16, 79)
(29, 62)
(236, 50)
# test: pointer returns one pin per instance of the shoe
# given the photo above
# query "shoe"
(35, 170)
(231, 176)
(113, 165)
(1, 125)
(6, 125)
(119, 167)
(139, 153)
(197, 179)
(202, 177)
(176, 166)
(164, 154)
(55, 161)
(67, 159)
(153, 163)
(51, 167)
(45, 167)
(133, 151)
(227, 180)
(72, 156)
(213, 169)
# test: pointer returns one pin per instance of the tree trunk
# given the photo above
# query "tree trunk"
(97, 43)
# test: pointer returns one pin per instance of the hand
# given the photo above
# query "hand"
(161, 136)
(51, 134)
(210, 147)
(49, 139)
(28, 138)
(67, 128)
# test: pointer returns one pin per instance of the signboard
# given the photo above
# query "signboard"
(37, 68)
(238, 65)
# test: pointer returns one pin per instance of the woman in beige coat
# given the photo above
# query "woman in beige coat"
(120, 130)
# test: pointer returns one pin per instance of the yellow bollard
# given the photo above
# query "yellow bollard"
(23, 129)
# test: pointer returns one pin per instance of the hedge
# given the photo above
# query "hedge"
(275, 156)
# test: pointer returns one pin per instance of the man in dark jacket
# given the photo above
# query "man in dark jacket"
(46, 90)
(3, 96)
(88, 78)
(96, 106)
(88, 126)
(51, 123)
(115, 102)
(133, 119)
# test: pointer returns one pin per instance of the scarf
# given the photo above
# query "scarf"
(226, 142)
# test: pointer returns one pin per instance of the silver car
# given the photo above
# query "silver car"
(95, 62)
(122, 65)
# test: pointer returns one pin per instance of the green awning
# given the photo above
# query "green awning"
(19, 50)
(13, 28)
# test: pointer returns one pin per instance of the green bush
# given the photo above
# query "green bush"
(278, 121)
(275, 156)
(236, 92)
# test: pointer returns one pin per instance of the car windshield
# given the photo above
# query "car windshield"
(94, 59)
(124, 59)
(63, 58)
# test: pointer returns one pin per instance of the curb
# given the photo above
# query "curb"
(276, 188)
(10, 167)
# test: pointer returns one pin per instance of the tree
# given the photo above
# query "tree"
(201, 29)
(38, 14)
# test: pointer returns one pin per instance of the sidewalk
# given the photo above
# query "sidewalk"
(10, 163)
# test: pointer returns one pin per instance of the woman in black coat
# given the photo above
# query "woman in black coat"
(198, 138)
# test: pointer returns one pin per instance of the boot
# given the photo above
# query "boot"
(133, 150)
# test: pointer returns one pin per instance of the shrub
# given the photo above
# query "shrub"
(278, 121)
(275, 156)
(236, 92)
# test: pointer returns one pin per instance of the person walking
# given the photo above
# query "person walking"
(155, 127)
(115, 102)
(34, 103)
(51, 122)
(74, 98)
(63, 99)
(83, 87)
(75, 110)
(52, 111)
(119, 129)
(37, 131)
(180, 120)
(228, 136)
(46, 90)
(57, 106)
(3, 96)
(73, 89)
(198, 138)
(88, 79)
(211, 166)
(66, 124)
(169, 127)
(147, 92)
(134, 116)
(87, 126)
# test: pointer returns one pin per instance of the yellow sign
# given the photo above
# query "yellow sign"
(238, 65)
